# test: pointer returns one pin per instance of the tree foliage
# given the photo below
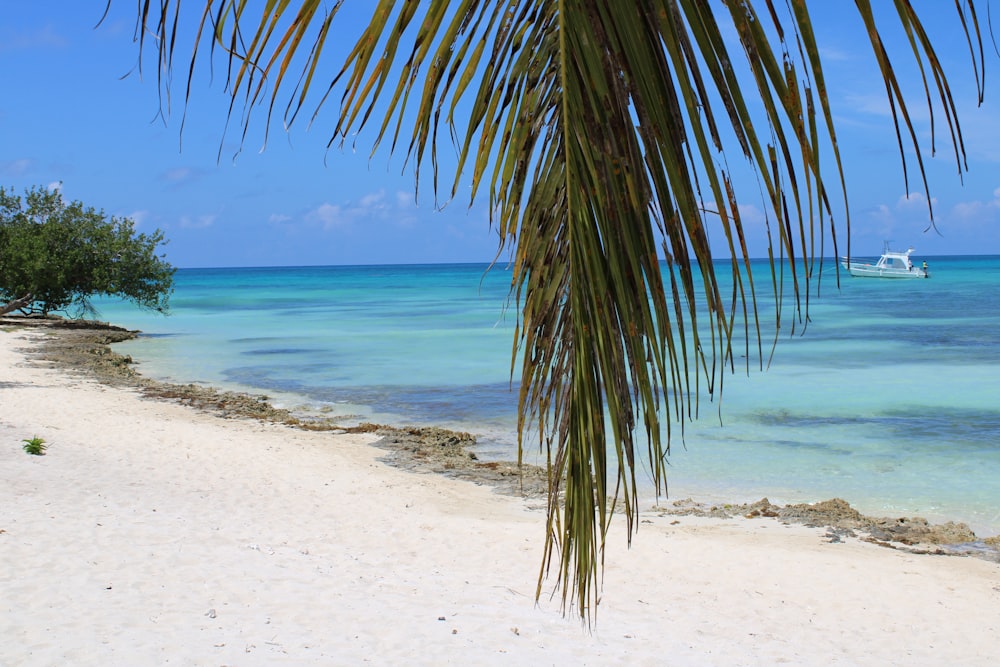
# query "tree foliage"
(596, 130)
(56, 256)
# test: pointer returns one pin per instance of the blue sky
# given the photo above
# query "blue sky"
(75, 111)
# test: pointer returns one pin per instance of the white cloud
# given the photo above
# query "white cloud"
(873, 225)
(977, 211)
(881, 212)
(197, 222)
(913, 201)
(374, 206)
(278, 218)
(909, 209)
(373, 200)
(969, 210)
(328, 215)
(404, 199)
(139, 217)
(904, 221)
(750, 215)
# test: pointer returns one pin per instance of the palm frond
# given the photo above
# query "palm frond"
(597, 130)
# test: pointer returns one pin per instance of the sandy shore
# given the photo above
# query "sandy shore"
(153, 533)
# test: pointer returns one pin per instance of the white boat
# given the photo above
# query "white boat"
(892, 264)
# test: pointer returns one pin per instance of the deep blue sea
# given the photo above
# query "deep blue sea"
(890, 399)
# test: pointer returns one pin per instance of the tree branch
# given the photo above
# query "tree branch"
(17, 304)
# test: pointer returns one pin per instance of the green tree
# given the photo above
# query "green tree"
(595, 129)
(54, 256)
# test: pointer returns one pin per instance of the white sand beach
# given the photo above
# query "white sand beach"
(151, 533)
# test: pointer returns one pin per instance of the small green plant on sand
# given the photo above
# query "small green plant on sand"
(35, 446)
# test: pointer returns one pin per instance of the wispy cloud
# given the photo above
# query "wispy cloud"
(751, 215)
(899, 222)
(15, 167)
(198, 221)
(914, 202)
(139, 217)
(180, 176)
(980, 123)
(829, 53)
(404, 199)
(372, 207)
(373, 201)
(45, 37)
(977, 210)
(328, 215)
(867, 103)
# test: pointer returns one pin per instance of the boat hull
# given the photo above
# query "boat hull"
(861, 270)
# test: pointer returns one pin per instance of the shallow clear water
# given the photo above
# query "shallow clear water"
(891, 399)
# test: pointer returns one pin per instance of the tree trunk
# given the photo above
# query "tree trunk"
(17, 303)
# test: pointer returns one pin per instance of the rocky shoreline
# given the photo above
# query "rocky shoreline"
(84, 347)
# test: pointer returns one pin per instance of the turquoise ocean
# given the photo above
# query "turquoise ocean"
(890, 399)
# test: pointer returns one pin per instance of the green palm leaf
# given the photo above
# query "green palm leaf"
(596, 130)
